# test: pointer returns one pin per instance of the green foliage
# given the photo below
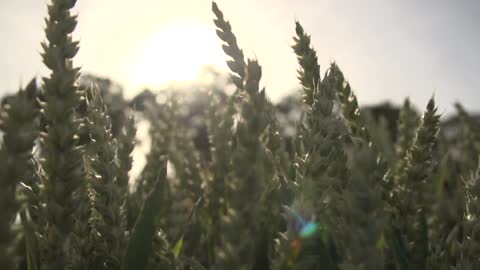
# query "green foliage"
(350, 107)
(61, 155)
(138, 252)
(19, 123)
(413, 197)
(309, 74)
(237, 64)
(107, 220)
(225, 186)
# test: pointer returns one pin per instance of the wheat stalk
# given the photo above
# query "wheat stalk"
(19, 123)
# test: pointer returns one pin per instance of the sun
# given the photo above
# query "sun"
(176, 53)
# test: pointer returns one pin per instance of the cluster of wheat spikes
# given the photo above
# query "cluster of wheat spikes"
(340, 196)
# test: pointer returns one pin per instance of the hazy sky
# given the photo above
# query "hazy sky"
(387, 49)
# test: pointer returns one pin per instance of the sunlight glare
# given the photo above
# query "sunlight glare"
(176, 53)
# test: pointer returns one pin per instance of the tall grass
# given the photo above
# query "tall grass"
(340, 194)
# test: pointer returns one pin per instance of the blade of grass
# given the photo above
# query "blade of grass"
(139, 247)
(30, 243)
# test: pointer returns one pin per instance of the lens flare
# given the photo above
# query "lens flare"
(305, 228)
(309, 229)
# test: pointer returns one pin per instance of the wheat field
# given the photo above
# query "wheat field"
(231, 180)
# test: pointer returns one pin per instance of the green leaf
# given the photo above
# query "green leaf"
(139, 247)
(30, 242)
(399, 249)
(178, 247)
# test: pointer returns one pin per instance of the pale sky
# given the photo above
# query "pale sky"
(387, 49)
